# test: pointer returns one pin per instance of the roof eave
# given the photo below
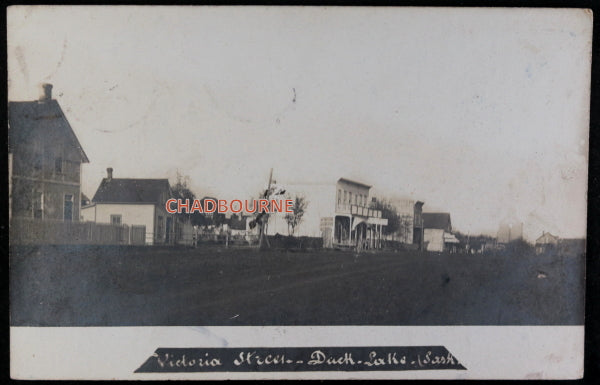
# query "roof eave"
(354, 182)
(84, 158)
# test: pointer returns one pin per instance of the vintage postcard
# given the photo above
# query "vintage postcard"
(297, 192)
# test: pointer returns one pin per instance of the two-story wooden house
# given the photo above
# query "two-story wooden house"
(45, 160)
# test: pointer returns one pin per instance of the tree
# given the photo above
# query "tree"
(519, 247)
(389, 212)
(475, 243)
(405, 228)
(181, 190)
(237, 222)
(210, 219)
(294, 218)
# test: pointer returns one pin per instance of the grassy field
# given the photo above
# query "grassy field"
(119, 286)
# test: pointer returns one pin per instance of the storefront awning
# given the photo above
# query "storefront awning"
(450, 238)
(377, 221)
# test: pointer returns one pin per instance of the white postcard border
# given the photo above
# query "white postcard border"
(488, 352)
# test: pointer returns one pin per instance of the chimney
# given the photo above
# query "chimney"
(46, 92)
(109, 173)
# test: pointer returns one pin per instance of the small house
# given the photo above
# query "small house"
(138, 203)
(546, 243)
(437, 232)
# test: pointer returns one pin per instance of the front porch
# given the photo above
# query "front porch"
(359, 231)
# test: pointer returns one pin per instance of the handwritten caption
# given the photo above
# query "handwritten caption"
(300, 359)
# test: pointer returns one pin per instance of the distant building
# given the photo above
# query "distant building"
(418, 227)
(573, 247)
(45, 160)
(509, 230)
(438, 232)
(411, 221)
(339, 212)
(137, 203)
(552, 244)
(546, 243)
(237, 225)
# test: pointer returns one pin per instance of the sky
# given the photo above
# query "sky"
(482, 113)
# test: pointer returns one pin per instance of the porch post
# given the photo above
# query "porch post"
(360, 236)
(350, 230)
(372, 240)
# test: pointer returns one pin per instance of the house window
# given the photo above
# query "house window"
(38, 204)
(68, 208)
(58, 165)
(115, 219)
(36, 155)
(37, 161)
(159, 227)
(67, 169)
(345, 196)
(339, 197)
(349, 197)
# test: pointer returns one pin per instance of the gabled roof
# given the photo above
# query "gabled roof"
(127, 190)
(84, 200)
(546, 237)
(437, 221)
(28, 119)
(354, 182)
(450, 238)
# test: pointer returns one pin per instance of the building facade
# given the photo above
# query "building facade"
(546, 243)
(437, 233)
(410, 213)
(138, 203)
(509, 230)
(338, 212)
(418, 225)
(45, 159)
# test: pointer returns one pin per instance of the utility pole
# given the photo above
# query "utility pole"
(263, 218)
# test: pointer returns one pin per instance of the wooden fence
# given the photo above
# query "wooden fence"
(29, 231)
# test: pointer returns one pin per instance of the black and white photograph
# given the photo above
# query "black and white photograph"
(222, 192)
